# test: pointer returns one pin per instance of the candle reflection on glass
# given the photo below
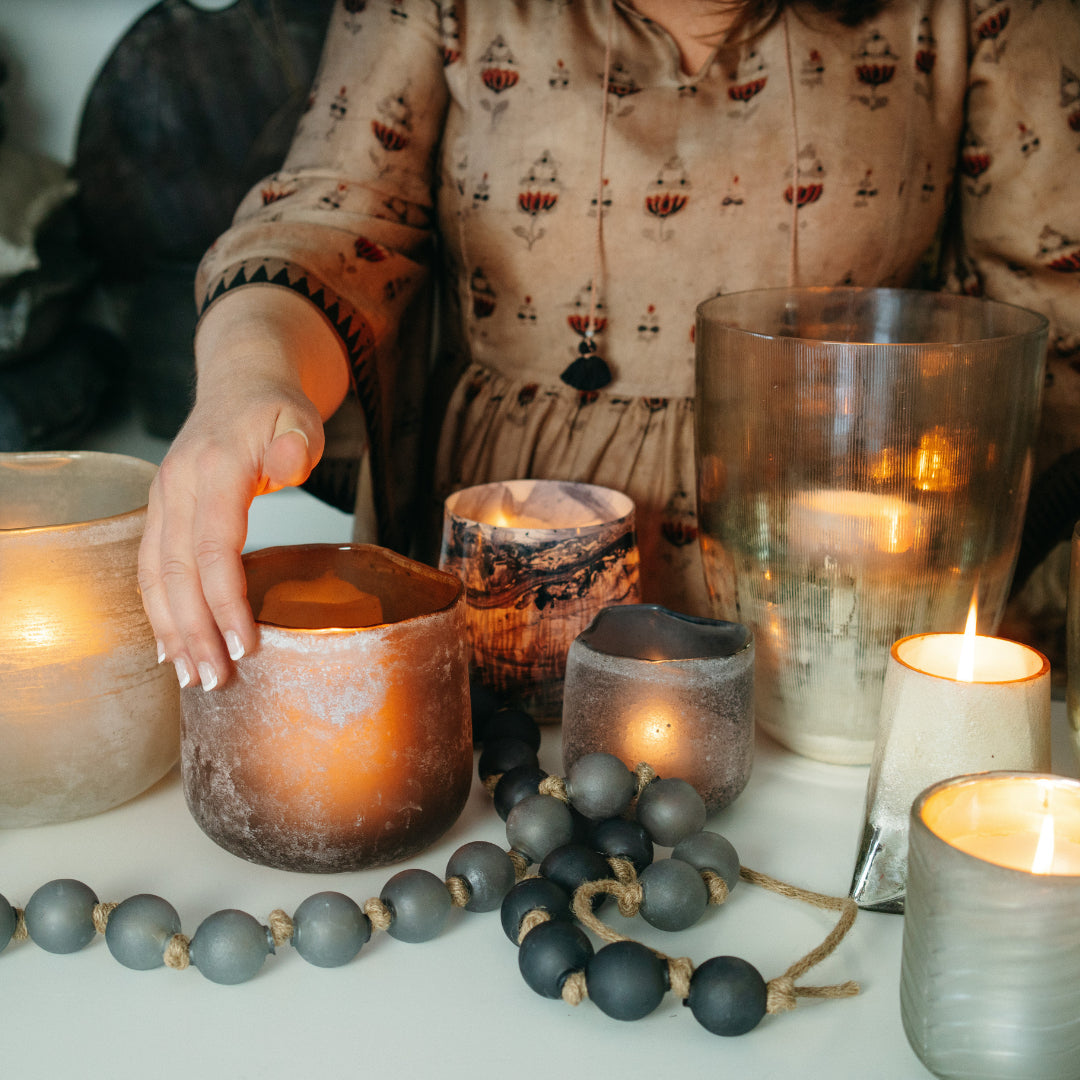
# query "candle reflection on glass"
(991, 952)
(336, 746)
(952, 703)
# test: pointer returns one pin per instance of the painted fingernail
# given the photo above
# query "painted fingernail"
(207, 676)
(235, 645)
(161, 652)
(183, 676)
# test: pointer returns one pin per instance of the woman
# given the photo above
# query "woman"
(584, 173)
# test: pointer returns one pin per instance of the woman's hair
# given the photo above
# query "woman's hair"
(761, 12)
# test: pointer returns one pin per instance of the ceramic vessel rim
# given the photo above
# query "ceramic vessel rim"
(539, 530)
(1038, 324)
(1044, 668)
(619, 611)
(917, 824)
(89, 456)
(419, 568)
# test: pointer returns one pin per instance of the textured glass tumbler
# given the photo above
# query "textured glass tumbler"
(1072, 635)
(990, 970)
(539, 558)
(864, 460)
(674, 691)
(88, 718)
(336, 747)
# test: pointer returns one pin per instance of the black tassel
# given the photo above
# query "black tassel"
(589, 371)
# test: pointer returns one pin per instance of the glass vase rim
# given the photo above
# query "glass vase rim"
(387, 554)
(1038, 323)
(60, 457)
(704, 622)
(897, 647)
(549, 532)
(918, 824)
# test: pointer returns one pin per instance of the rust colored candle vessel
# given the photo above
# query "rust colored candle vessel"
(87, 717)
(344, 740)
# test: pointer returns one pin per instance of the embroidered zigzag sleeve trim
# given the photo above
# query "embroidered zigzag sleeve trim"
(352, 328)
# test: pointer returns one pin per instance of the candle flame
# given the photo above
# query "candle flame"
(965, 666)
(1044, 851)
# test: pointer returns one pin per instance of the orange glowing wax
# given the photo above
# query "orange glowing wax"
(325, 602)
(336, 747)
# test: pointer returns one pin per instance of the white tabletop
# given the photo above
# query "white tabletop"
(456, 1006)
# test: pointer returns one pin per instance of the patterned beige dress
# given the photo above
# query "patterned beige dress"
(472, 137)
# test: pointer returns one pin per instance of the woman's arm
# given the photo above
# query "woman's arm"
(270, 370)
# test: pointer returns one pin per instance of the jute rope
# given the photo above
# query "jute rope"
(782, 991)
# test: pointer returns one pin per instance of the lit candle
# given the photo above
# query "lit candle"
(336, 747)
(320, 604)
(539, 558)
(88, 719)
(990, 973)
(647, 684)
(951, 704)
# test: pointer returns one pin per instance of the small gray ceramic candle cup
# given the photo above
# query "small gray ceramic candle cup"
(990, 975)
(677, 692)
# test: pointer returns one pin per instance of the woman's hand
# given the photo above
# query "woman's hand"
(270, 370)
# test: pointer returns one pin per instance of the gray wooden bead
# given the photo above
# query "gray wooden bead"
(139, 929)
(673, 895)
(600, 786)
(329, 929)
(670, 810)
(8, 922)
(488, 871)
(537, 825)
(60, 916)
(420, 905)
(710, 851)
(230, 946)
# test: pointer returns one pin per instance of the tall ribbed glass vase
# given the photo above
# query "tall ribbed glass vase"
(864, 459)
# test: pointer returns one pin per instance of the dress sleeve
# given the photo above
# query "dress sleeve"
(1020, 184)
(1019, 203)
(347, 221)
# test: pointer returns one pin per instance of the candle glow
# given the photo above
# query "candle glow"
(335, 747)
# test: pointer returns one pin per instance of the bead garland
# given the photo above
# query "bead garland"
(621, 813)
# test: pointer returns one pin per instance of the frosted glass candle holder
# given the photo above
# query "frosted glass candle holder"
(674, 691)
(1072, 643)
(934, 724)
(864, 460)
(990, 970)
(88, 719)
(539, 558)
(344, 739)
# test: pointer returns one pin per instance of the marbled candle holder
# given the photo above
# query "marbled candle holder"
(539, 558)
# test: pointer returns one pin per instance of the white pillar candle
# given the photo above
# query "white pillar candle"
(951, 704)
